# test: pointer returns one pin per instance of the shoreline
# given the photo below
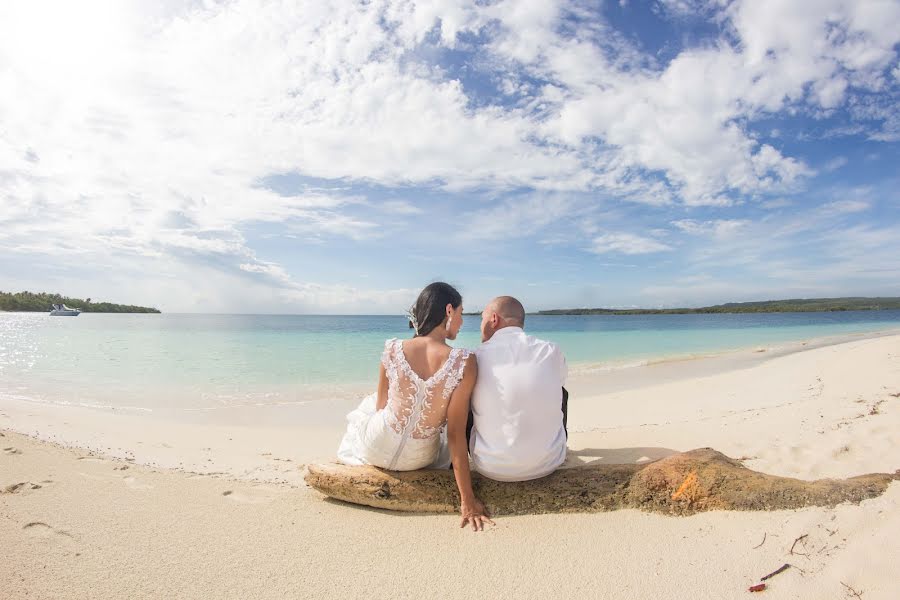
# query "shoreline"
(159, 512)
(623, 375)
(170, 440)
(315, 404)
(773, 349)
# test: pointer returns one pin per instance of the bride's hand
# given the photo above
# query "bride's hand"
(475, 513)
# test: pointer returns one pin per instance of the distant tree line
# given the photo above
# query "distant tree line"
(42, 302)
(768, 306)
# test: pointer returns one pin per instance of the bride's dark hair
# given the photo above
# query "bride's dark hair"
(429, 311)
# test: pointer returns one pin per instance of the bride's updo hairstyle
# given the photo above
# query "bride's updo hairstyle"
(430, 308)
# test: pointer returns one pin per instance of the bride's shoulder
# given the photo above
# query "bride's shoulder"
(464, 355)
(388, 348)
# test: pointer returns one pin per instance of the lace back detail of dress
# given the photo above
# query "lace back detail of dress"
(418, 407)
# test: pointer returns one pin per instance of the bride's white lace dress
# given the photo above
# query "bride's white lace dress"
(408, 433)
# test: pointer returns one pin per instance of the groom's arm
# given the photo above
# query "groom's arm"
(563, 375)
(563, 367)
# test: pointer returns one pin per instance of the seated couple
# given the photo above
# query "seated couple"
(503, 404)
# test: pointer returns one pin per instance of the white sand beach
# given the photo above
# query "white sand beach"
(103, 505)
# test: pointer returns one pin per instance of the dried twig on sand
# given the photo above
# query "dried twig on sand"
(851, 591)
(762, 542)
(802, 537)
(780, 569)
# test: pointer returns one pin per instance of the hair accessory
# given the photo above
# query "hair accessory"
(411, 315)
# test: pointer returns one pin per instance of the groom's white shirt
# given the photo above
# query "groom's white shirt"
(517, 406)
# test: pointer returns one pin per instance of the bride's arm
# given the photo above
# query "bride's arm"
(382, 389)
(471, 509)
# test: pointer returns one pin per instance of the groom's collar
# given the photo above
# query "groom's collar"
(508, 330)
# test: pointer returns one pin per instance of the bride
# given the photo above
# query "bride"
(424, 385)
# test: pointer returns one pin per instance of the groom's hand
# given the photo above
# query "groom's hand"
(475, 513)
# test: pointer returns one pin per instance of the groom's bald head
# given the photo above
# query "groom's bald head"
(502, 311)
(510, 309)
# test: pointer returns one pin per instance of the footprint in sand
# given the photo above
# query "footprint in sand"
(136, 484)
(40, 530)
(90, 459)
(23, 486)
(254, 495)
(11, 451)
(840, 451)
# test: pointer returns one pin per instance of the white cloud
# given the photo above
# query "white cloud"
(688, 120)
(272, 270)
(400, 207)
(690, 7)
(720, 228)
(839, 207)
(820, 251)
(777, 203)
(836, 163)
(764, 264)
(517, 217)
(627, 243)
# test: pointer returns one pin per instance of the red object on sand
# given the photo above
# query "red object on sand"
(758, 587)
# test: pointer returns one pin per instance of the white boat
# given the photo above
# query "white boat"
(61, 310)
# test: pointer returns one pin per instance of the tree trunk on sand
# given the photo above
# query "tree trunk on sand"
(681, 484)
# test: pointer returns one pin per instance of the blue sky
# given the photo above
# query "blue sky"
(334, 157)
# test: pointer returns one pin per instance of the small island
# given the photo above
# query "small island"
(768, 306)
(42, 302)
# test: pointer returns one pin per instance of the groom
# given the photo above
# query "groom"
(519, 406)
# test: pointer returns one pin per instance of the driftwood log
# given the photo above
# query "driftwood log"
(681, 484)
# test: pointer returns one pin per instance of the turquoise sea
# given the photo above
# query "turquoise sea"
(205, 362)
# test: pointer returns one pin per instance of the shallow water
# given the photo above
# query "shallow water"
(207, 362)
